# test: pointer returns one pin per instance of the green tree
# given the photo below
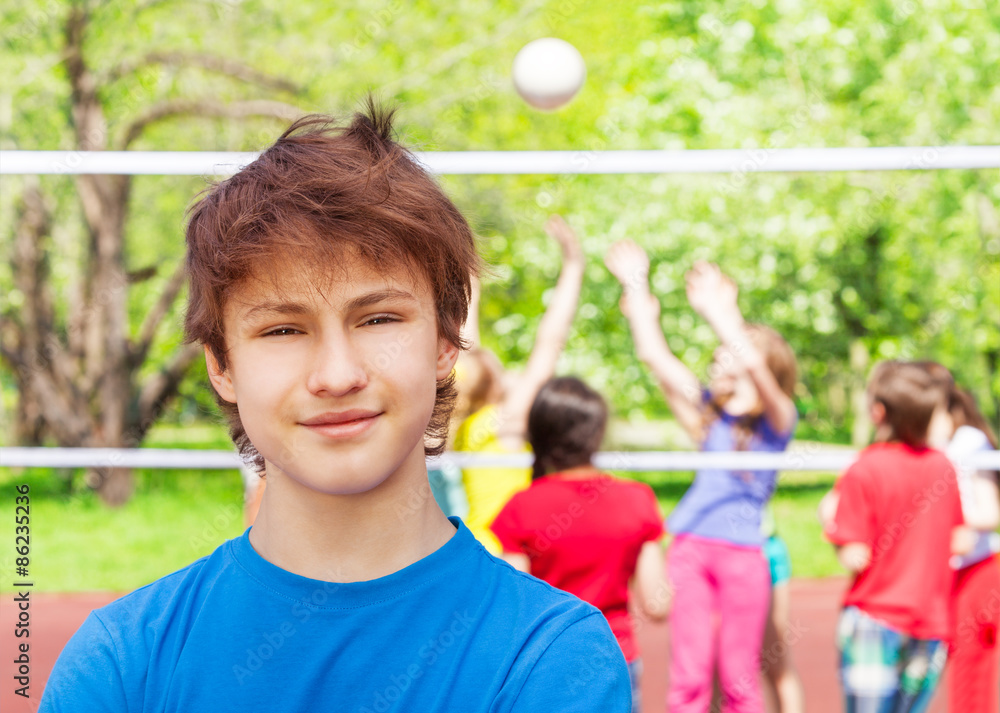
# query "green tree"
(677, 74)
(79, 373)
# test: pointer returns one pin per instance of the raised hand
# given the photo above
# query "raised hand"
(629, 264)
(559, 230)
(710, 292)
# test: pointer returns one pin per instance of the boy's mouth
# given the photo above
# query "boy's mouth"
(342, 424)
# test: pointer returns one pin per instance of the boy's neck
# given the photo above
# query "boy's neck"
(350, 538)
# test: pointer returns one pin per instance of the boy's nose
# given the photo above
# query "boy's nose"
(337, 369)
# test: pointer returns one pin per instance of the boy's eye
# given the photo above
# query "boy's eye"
(380, 319)
(280, 332)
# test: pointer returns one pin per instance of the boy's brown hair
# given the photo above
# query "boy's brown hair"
(909, 395)
(941, 377)
(322, 191)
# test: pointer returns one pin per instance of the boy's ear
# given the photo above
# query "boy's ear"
(447, 356)
(877, 412)
(220, 379)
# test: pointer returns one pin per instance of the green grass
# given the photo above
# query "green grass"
(78, 544)
(177, 516)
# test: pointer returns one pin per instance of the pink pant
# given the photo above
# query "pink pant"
(721, 598)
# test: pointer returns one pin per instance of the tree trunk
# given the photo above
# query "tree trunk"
(837, 397)
(78, 379)
(114, 485)
(29, 421)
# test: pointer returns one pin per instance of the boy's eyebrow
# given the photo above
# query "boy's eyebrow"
(359, 302)
(371, 298)
(275, 307)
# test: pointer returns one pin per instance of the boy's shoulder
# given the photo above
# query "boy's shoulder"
(228, 562)
(157, 597)
(459, 615)
(880, 454)
(886, 472)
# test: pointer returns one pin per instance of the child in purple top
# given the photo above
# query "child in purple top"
(715, 562)
(722, 504)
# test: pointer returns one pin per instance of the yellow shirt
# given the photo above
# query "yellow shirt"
(487, 488)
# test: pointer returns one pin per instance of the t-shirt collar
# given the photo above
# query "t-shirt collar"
(445, 561)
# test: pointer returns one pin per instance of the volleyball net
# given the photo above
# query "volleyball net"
(738, 161)
(719, 161)
(801, 458)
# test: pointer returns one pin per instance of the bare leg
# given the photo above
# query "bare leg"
(781, 680)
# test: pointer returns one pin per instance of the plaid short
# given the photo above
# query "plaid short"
(883, 670)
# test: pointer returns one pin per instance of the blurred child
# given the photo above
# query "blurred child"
(580, 529)
(973, 672)
(783, 687)
(721, 582)
(892, 519)
(500, 401)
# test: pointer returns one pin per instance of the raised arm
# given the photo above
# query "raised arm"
(713, 295)
(553, 331)
(630, 265)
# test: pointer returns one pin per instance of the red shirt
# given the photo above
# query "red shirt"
(903, 503)
(583, 535)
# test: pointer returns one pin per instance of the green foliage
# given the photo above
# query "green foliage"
(907, 263)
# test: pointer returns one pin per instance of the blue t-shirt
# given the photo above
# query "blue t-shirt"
(724, 504)
(456, 631)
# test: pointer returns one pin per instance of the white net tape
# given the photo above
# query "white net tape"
(762, 160)
(796, 458)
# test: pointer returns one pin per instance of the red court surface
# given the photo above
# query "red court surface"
(55, 617)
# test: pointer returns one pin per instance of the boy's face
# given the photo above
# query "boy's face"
(334, 377)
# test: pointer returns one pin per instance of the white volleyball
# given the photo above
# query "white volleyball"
(548, 73)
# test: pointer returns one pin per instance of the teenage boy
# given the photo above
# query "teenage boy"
(329, 281)
(895, 508)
